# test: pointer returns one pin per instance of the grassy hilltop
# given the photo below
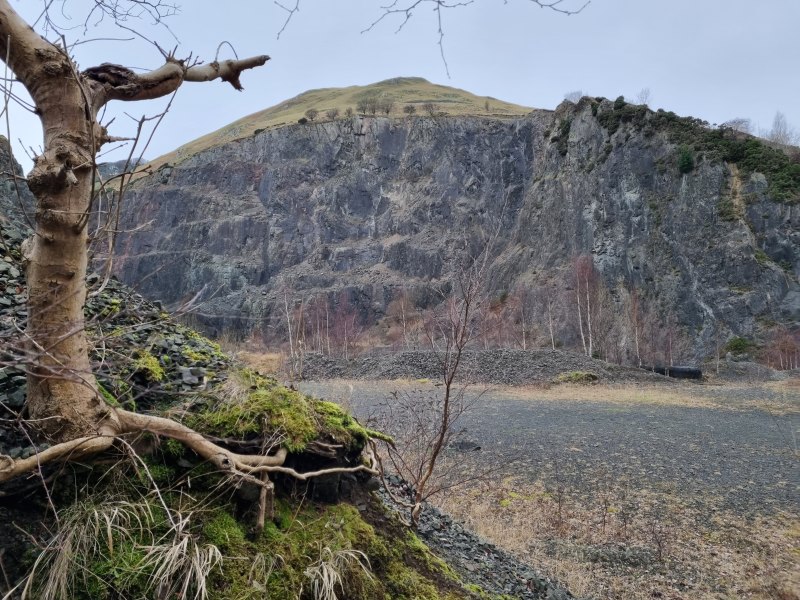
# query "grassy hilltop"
(401, 90)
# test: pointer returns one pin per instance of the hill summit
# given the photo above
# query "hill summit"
(399, 92)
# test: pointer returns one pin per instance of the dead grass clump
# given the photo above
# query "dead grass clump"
(266, 363)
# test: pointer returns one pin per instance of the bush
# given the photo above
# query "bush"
(302, 120)
(685, 160)
(738, 345)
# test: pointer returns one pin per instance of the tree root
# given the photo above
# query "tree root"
(71, 450)
(244, 465)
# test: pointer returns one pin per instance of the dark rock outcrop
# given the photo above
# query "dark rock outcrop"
(365, 206)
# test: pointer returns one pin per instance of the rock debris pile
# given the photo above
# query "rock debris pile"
(498, 367)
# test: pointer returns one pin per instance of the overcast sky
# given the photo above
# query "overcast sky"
(713, 59)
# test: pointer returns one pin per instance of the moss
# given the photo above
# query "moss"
(577, 377)
(223, 531)
(173, 448)
(107, 396)
(157, 472)
(268, 407)
(761, 257)
(148, 365)
(194, 355)
(401, 566)
(119, 570)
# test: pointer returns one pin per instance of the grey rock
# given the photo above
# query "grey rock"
(362, 209)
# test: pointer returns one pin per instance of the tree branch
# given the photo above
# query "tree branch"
(115, 82)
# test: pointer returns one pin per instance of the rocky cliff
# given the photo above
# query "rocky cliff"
(705, 221)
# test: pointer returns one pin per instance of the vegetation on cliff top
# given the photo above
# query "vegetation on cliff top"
(749, 153)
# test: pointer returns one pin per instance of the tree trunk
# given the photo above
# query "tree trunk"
(62, 392)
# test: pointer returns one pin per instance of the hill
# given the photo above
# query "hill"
(400, 91)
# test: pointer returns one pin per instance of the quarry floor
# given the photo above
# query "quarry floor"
(626, 491)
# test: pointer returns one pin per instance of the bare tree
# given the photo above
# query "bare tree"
(644, 96)
(410, 109)
(312, 114)
(574, 96)
(332, 114)
(64, 400)
(739, 124)
(430, 108)
(781, 132)
(368, 105)
(386, 106)
(429, 423)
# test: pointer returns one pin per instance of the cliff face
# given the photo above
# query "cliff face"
(369, 205)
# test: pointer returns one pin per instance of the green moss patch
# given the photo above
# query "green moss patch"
(577, 377)
(260, 407)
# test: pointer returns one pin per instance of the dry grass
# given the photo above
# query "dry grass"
(266, 363)
(613, 394)
(91, 533)
(402, 90)
(633, 545)
(330, 570)
(690, 395)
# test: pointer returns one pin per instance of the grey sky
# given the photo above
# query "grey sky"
(714, 59)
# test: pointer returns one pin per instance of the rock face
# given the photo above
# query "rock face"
(367, 205)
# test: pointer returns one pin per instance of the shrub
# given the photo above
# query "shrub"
(302, 120)
(577, 377)
(738, 345)
(409, 109)
(312, 114)
(685, 160)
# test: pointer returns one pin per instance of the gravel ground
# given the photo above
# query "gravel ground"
(476, 560)
(744, 457)
(712, 470)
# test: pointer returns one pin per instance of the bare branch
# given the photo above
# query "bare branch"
(289, 16)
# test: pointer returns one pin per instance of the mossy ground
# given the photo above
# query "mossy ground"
(270, 563)
(253, 406)
(161, 488)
